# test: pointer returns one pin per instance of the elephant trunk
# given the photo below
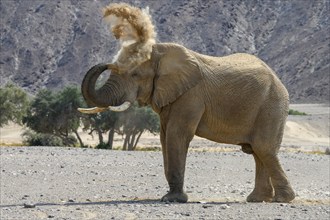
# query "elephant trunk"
(88, 86)
(108, 97)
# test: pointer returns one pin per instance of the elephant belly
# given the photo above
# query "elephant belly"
(223, 133)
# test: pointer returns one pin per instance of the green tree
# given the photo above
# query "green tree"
(101, 124)
(56, 114)
(135, 121)
(67, 117)
(14, 103)
(40, 115)
(131, 124)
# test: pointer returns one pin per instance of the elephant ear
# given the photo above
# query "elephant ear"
(177, 70)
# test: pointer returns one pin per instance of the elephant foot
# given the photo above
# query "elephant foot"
(284, 195)
(180, 197)
(260, 197)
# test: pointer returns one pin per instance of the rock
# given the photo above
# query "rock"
(25, 196)
(185, 214)
(224, 206)
(205, 206)
(29, 205)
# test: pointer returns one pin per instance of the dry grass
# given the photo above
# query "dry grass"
(4, 144)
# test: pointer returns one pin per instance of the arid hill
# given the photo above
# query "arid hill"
(53, 43)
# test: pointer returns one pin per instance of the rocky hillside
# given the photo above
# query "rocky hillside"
(53, 43)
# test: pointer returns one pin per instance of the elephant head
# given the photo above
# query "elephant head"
(171, 70)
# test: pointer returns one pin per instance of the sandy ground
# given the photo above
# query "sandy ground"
(75, 183)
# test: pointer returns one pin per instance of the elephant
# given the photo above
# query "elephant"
(235, 99)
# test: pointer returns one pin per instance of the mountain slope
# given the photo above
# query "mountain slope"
(53, 43)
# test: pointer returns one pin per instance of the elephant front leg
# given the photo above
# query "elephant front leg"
(178, 128)
(175, 154)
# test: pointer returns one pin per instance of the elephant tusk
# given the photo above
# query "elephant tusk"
(95, 110)
(92, 110)
(120, 108)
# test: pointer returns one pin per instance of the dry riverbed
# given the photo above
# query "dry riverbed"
(73, 183)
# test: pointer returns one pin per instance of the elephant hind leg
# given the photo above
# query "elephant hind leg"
(280, 182)
(266, 141)
(263, 190)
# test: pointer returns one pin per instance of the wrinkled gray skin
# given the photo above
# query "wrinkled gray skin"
(235, 99)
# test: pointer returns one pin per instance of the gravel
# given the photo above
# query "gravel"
(75, 183)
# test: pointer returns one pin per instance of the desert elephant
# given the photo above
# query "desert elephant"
(235, 99)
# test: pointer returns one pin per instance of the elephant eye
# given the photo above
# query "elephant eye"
(134, 74)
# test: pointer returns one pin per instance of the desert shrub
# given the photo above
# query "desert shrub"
(295, 112)
(327, 151)
(32, 138)
(148, 149)
(102, 146)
